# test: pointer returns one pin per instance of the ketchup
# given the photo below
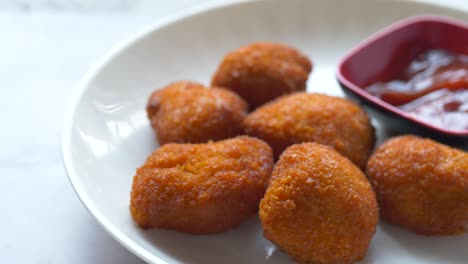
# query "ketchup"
(433, 88)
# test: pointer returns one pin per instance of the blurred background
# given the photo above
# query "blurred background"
(45, 47)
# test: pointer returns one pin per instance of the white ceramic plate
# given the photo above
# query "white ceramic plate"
(106, 133)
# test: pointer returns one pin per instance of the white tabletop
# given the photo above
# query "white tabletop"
(45, 47)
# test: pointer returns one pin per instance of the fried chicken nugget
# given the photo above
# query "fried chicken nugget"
(187, 112)
(303, 117)
(319, 207)
(421, 185)
(201, 188)
(262, 71)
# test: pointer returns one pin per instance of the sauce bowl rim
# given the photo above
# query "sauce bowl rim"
(362, 94)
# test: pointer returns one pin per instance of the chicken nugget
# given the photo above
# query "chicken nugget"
(319, 207)
(262, 71)
(188, 112)
(303, 117)
(421, 185)
(201, 188)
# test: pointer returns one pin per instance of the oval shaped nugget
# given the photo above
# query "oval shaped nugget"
(319, 207)
(304, 117)
(262, 71)
(421, 185)
(187, 112)
(201, 188)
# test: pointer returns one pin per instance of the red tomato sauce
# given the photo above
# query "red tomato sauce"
(433, 88)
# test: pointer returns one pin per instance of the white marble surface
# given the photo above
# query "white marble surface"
(45, 47)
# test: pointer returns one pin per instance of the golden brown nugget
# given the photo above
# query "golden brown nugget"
(319, 207)
(201, 188)
(303, 117)
(262, 71)
(187, 112)
(421, 185)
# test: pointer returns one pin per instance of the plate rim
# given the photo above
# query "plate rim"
(83, 85)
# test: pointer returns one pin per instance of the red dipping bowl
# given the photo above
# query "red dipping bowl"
(385, 54)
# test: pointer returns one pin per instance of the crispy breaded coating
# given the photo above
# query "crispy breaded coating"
(421, 185)
(319, 207)
(188, 112)
(303, 117)
(201, 188)
(262, 71)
